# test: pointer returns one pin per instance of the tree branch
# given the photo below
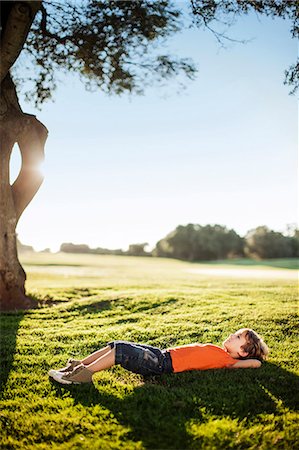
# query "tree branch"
(47, 33)
(31, 143)
(15, 33)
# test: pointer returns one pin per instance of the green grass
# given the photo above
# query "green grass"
(285, 263)
(87, 300)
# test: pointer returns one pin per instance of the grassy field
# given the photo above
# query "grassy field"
(87, 300)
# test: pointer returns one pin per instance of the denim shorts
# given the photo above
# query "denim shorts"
(142, 359)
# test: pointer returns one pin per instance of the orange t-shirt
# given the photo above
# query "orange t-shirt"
(200, 357)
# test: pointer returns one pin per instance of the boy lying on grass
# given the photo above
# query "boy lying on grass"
(241, 350)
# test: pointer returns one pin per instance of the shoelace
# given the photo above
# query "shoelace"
(74, 371)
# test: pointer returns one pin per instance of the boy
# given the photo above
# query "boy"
(243, 349)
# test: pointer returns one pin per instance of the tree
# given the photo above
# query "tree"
(113, 46)
(263, 243)
(110, 44)
(68, 247)
(195, 242)
(138, 250)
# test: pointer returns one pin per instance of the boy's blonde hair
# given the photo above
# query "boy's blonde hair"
(255, 346)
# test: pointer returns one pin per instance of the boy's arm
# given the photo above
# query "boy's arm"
(246, 364)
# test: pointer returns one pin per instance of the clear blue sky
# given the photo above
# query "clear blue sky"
(127, 170)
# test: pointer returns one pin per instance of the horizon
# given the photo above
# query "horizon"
(123, 170)
(289, 229)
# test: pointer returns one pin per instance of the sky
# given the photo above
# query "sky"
(123, 170)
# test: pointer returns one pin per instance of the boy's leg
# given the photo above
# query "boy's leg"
(105, 361)
(155, 350)
(138, 358)
(72, 363)
(96, 355)
(82, 373)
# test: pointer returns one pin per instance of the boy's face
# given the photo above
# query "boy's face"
(234, 343)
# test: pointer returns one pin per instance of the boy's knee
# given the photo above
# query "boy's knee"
(150, 356)
(113, 344)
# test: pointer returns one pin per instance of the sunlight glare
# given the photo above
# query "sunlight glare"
(16, 164)
(41, 168)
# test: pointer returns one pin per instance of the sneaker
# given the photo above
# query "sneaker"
(79, 375)
(71, 364)
(57, 376)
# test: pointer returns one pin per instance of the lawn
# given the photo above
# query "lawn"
(87, 300)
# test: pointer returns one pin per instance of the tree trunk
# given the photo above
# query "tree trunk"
(30, 134)
(12, 276)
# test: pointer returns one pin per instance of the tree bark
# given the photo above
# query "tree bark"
(18, 17)
(31, 135)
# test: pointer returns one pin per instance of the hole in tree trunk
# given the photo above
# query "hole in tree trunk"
(15, 163)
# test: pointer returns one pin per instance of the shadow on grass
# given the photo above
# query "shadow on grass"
(89, 308)
(94, 306)
(158, 412)
(149, 305)
(9, 325)
(282, 263)
(66, 295)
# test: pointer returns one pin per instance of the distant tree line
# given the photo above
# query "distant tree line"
(195, 242)
(134, 250)
(200, 243)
